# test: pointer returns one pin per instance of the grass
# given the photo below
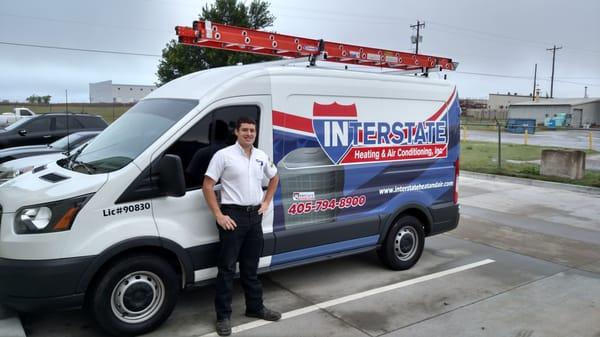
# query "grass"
(109, 112)
(483, 157)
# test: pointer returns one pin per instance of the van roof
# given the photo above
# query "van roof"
(196, 85)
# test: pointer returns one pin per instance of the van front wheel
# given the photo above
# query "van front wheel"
(404, 243)
(135, 295)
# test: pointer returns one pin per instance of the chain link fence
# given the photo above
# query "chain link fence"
(109, 111)
(498, 147)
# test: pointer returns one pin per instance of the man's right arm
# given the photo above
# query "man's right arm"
(208, 189)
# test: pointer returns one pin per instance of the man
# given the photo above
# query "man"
(241, 168)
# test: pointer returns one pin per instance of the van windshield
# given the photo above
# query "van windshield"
(130, 135)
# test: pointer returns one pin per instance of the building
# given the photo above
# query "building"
(583, 112)
(108, 92)
(501, 102)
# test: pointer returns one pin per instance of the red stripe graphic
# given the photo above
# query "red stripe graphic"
(335, 110)
(292, 122)
(436, 115)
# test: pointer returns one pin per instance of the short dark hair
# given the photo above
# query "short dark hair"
(246, 120)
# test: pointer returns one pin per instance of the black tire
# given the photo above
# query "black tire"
(404, 243)
(142, 288)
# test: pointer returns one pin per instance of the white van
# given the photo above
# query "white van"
(366, 161)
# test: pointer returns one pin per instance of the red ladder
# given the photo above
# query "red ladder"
(219, 36)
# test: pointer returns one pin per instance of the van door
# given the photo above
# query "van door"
(187, 220)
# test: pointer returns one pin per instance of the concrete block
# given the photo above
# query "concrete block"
(563, 163)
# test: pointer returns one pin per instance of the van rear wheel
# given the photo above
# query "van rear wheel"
(135, 295)
(404, 243)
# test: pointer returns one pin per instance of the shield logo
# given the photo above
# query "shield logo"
(333, 127)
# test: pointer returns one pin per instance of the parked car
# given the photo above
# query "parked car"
(14, 168)
(8, 118)
(67, 143)
(47, 128)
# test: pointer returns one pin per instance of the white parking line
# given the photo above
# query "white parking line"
(345, 299)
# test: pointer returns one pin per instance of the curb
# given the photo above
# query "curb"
(10, 323)
(533, 182)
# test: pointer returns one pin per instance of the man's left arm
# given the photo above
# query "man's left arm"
(271, 172)
(271, 188)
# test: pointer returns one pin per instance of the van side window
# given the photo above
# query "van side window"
(212, 133)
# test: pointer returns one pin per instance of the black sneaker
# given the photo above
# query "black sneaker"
(266, 314)
(224, 327)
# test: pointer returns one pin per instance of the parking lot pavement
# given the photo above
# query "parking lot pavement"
(536, 309)
(574, 139)
(544, 280)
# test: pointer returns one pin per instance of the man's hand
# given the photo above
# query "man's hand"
(226, 222)
(264, 206)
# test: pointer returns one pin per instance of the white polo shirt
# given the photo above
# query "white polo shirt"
(241, 177)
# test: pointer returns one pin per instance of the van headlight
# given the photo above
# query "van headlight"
(51, 217)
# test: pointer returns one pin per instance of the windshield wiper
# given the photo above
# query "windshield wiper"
(73, 162)
(72, 158)
(87, 166)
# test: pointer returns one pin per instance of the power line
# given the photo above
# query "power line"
(523, 78)
(78, 49)
(393, 20)
(84, 23)
(156, 55)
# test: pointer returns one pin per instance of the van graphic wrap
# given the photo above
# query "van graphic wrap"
(361, 167)
(347, 140)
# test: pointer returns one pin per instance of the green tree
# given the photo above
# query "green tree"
(32, 99)
(46, 99)
(178, 60)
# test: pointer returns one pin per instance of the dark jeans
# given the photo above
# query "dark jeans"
(244, 244)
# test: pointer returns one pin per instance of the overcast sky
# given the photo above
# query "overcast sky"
(496, 43)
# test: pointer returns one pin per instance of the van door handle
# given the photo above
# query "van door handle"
(47, 136)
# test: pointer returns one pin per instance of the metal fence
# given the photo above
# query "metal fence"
(109, 111)
(498, 147)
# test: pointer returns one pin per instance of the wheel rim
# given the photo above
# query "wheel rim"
(406, 243)
(137, 297)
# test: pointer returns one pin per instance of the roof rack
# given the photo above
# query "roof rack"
(211, 35)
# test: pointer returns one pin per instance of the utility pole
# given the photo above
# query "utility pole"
(534, 82)
(554, 49)
(418, 27)
(585, 93)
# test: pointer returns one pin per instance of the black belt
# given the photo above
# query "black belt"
(248, 209)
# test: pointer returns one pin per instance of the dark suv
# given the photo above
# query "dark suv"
(46, 128)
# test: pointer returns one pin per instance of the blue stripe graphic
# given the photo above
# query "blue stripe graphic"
(330, 248)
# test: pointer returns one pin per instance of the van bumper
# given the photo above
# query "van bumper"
(30, 285)
(445, 217)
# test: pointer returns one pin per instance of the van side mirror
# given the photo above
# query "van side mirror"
(171, 181)
(23, 132)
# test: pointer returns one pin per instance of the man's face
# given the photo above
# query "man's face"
(246, 134)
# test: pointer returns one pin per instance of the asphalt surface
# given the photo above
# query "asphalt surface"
(528, 262)
(572, 139)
